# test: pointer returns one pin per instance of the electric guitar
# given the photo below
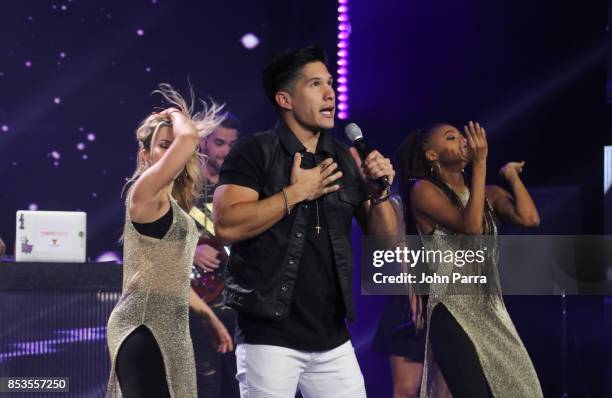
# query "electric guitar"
(208, 285)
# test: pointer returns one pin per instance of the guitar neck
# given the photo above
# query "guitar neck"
(203, 217)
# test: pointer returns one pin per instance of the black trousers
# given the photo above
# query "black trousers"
(140, 366)
(456, 356)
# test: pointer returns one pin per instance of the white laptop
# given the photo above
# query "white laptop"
(51, 236)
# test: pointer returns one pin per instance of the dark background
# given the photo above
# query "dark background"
(534, 73)
(104, 87)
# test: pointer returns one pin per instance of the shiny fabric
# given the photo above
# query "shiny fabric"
(156, 294)
(483, 316)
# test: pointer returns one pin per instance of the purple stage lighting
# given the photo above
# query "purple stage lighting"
(344, 31)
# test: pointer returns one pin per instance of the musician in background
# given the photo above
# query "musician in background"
(2, 248)
(215, 371)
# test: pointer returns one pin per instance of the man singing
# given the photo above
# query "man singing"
(285, 201)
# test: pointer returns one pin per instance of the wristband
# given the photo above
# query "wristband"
(385, 196)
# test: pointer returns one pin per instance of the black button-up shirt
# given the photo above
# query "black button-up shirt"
(291, 285)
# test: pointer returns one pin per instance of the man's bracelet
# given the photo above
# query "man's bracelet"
(385, 196)
(286, 201)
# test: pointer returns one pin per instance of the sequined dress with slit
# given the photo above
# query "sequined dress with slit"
(156, 294)
(484, 318)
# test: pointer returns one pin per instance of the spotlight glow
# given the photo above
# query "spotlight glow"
(249, 41)
(109, 256)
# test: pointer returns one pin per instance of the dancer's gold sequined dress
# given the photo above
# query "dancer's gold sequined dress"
(156, 294)
(484, 318)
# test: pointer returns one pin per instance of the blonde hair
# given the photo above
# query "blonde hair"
(187, 185)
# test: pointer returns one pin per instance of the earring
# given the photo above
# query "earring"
(432, 167)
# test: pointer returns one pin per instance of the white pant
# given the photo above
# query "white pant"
(267, 371)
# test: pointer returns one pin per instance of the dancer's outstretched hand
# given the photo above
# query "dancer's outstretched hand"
(512, 170)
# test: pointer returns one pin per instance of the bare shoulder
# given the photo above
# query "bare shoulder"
(423, 189)
(422, 185)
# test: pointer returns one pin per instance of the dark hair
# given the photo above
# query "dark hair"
(286, 67)
(412, 165)
(231, 121)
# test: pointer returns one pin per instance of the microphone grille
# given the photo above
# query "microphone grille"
(353, 132)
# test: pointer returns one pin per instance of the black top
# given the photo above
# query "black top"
(299, 267)
(315, 321)
(156, 229)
